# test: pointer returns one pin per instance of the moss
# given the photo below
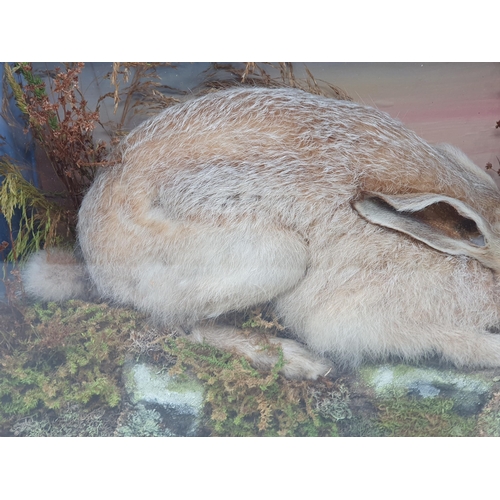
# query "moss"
(421, 417)
(60, 354)
(423, 401)
(489, 420)
(241, 401)
(468, 391)
(62, 363)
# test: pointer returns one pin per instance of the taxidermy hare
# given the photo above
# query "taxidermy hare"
(368, 241)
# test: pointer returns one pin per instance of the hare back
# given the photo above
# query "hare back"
(283, 151)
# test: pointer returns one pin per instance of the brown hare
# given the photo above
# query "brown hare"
(368, 241)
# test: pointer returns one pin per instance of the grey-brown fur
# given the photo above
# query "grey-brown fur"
(369, 241)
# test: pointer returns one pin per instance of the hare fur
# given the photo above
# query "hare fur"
(368, 241)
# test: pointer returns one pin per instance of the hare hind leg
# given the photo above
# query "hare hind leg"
(299, 363)
(208, 271)
(204, 271)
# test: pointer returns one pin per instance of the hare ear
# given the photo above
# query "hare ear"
(443, 223)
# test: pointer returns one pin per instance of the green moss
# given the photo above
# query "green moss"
(361, 426)
(489, 420)
(424, 392)
(415, 417)
(241, 401)
(60, 354)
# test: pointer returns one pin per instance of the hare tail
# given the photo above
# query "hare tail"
(55, 275)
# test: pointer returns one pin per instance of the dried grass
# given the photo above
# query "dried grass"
(222, 76)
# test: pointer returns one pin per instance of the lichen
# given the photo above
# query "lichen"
(142, 422)
(333, 405)
(70, 421)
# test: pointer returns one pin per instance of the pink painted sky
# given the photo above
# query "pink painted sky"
(457, 103)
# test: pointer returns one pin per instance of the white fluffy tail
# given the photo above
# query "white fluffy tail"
(55, 275)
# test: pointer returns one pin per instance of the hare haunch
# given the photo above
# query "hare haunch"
(368, 241)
